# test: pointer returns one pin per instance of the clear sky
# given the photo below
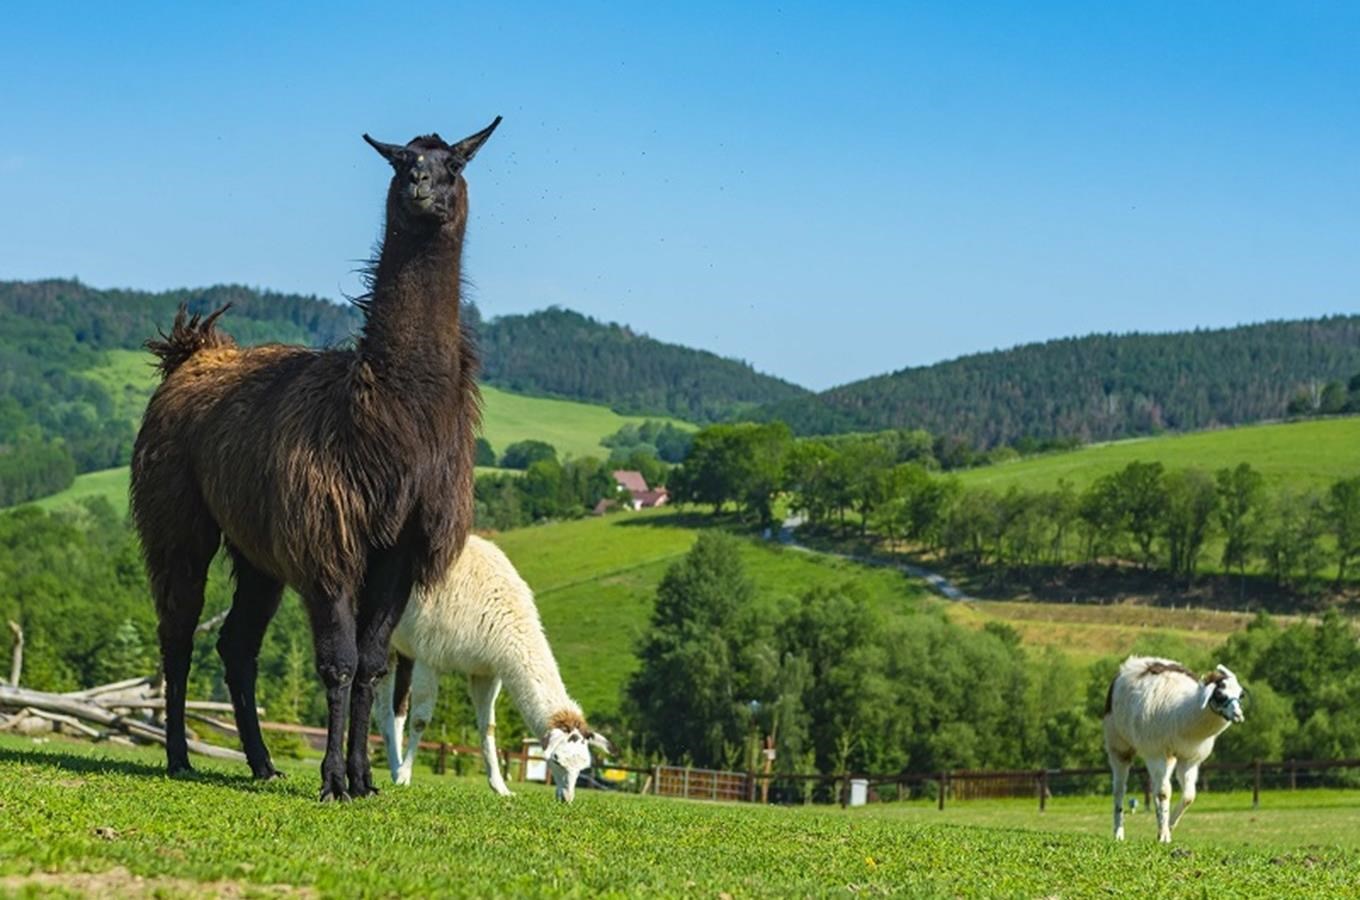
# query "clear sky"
(827, 191)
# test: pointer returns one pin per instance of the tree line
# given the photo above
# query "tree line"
(843, 687)
(1099, 387)
(883, 487)
(841, 684)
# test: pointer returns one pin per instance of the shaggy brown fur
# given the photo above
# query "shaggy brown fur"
(1157, 668)
(344, 473)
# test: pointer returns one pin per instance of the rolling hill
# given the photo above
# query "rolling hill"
(574, 429)
(1310, 453)
(74, 379)
(1095, 388)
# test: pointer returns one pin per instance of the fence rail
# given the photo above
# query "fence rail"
(957, 785)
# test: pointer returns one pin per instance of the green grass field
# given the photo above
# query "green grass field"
(1296, 454)
(595, 581)
(79, 820)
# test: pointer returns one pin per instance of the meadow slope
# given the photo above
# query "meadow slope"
(90, 820)
(1311, 453)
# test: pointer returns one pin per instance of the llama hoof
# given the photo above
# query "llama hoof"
(329, 796)
(270, 774)
(179, 770)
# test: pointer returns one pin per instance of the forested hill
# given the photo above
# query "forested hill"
(566, 354)
(65, 407)
(1098, 387)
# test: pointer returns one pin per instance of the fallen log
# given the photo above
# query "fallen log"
(69, 721)
(153, 703)
(14, 697)
(128, 684)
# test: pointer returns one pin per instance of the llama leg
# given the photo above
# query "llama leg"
(1159, 773)
(424, 692)
(483, 689)
(337, 659)
(1119, 767)
(387, 587)
(178, 576)
(391, 701)
(256, 600)
(1188, 776)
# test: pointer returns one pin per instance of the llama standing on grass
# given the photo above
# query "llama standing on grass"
(344, 473)
(1163, 712)
(480, 619)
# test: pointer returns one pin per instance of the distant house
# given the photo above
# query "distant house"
(640, 495)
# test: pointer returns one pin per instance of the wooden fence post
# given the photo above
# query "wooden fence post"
(685, 784)
(1043, 789)
(1293, 776)
(656, 779)
(1256, 785)
(442, 766)
(944, 786)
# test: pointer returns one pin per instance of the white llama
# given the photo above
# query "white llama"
(1163, 712)
(480, 619)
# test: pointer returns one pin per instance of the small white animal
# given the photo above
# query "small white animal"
(1165, 713)
(480, 619)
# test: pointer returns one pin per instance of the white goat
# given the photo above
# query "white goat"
(480, 619)
(1163, 712)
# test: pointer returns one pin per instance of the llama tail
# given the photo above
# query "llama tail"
(188, 335)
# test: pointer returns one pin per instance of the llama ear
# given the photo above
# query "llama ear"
(1206, 693)
(603, 744)
(393, 153)
(1225, 671)
(467, 148)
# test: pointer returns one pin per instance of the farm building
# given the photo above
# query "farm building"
(640, 495)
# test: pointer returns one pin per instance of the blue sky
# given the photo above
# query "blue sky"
(827, 191)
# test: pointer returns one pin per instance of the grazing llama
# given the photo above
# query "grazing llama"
(346, 474)
(1165, 713)
(480, 619)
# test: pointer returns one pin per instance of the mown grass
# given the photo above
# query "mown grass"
(1087, 632)
(67, 808)
(1294, 454)
(1307, 818)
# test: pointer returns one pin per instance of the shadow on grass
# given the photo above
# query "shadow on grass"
(107, 765)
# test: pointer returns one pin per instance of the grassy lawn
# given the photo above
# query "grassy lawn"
(1298, 819)
(595, 581)
(68, 809)
(1298, 454)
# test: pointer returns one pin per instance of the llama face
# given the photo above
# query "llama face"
(1222, 693)
(567, 752)
(428, 182)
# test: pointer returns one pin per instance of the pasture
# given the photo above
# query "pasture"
(1311, 453)
(98, 820)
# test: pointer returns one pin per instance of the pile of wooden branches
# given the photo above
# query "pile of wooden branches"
(121, 712)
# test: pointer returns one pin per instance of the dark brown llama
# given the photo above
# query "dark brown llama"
(346, 474)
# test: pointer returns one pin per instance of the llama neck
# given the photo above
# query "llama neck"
(536, 687)
(413, 312)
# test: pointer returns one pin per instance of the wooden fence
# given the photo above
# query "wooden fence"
(958, 785)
